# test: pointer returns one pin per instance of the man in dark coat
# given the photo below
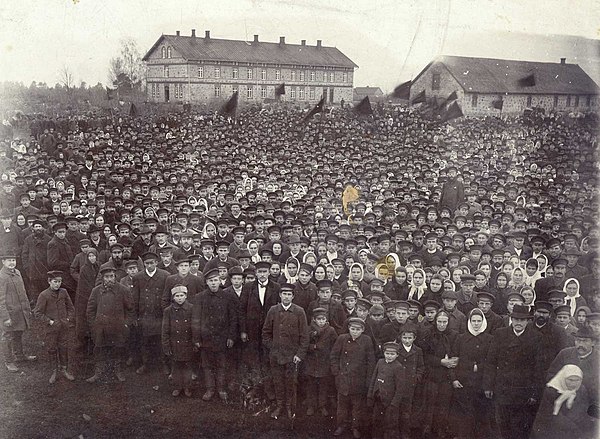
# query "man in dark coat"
(554, 338)
(15, 313)
(453, 191)
(34, 257)
(285, 335)
(116, 262)
(555, 282)
(513, 375)
(60, 257)
(214, 324)
(194, 284)
(256, 300)
(10, 235)
(109, 313)
(147, 292)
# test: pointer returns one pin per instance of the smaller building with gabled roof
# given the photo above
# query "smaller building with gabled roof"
(194, 69)
(486, 86)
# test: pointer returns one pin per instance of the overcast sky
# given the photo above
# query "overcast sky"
(390, 40)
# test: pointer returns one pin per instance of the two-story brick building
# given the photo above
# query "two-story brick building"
(193, 69)
(479, 82)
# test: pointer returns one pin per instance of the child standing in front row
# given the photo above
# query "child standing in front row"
(316, 364)
(177, 340)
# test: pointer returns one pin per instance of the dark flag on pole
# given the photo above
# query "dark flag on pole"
(133, 111)
(527, 81)
(279, 90)
(402, 91)
(498, 104)
(453, 96)
(364, 107)
(317, 109)
(230, 107)
(419, 98)
(452, 112)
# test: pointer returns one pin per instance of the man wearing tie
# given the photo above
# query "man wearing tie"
(255, 301)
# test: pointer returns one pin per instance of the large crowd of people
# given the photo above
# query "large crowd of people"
(409, 277)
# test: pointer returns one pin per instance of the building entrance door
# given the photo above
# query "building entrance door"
(331, 95)
(167, 94)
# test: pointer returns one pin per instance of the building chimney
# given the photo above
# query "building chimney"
(281, 41)
(207, 34)
(193, 33)
(563, 60)
(303, 42)
(177, 33)
(318, 43)
(256, 38)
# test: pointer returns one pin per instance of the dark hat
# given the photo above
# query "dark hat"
(556, 294)
(324, 283)
(431, 304)
(104, 270)
(287, 287)
(585, 332)
(542, 304)
(349, 293)
(116, 246)
(520, 312)
(516, 295)
(211, 273)
(485, 295)
(243, 254)
(450, 295)
(363, 303)
(130, 263)
(562, 309)
(559, 261)
(181, 261)
(149, 255)
(306, 267)
(263, 264)
(408, 328)
(402, 304)
(572, 252)
(223, 244)
(467, 277)
(160, 229)
(205, 242)
(235, 270)
(356, 321)
(59, 226)
(391, 346)
(319, 312)
(54, 274)
(143, 230)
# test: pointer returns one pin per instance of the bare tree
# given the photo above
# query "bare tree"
(128, 62)
(66, 78)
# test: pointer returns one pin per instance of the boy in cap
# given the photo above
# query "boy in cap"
(352, 362)
(387, 387)
(319, 381)
(457, 320)
(214, 326)
(285, 335)
(176, 338)
(563, 319)
(335, 313)
(304, 290)
(411, 357)
(55, 309)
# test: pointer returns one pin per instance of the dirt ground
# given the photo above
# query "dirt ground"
(32, 408)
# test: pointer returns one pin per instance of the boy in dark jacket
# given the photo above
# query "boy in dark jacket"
(316, 366)
(388, 385)
(55, 309)
(411, 356)
(352, 362)
(176, 337)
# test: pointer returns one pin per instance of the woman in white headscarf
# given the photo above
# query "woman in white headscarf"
(563, 411)
(471, 410)
(573, 298)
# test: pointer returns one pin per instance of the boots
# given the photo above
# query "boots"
(119, 372)
(66, 373)
(97, 373)
(17, 346)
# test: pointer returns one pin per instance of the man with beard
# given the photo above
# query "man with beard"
(115, 262)
(586, 356)
(554, 282)
(142, 243)
(453, 191)
(109, 313)
(553, 337)
(513, 375)
(34, 257)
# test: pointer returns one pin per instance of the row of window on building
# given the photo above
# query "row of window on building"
(572, 101)
(300, 75)
(300, 93)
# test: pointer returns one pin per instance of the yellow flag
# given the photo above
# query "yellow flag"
(350, 194)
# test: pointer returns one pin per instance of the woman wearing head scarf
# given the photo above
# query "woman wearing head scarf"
(501, 292)
(253, 249)
(532, 273)
(355, 280)
(517, 279)
(418, 288)
(437, 353)
(472, 411)
(563, 411)
(573, 298)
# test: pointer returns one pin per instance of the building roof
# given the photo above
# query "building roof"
(368, 91)
(487, 75)
(215, 49)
